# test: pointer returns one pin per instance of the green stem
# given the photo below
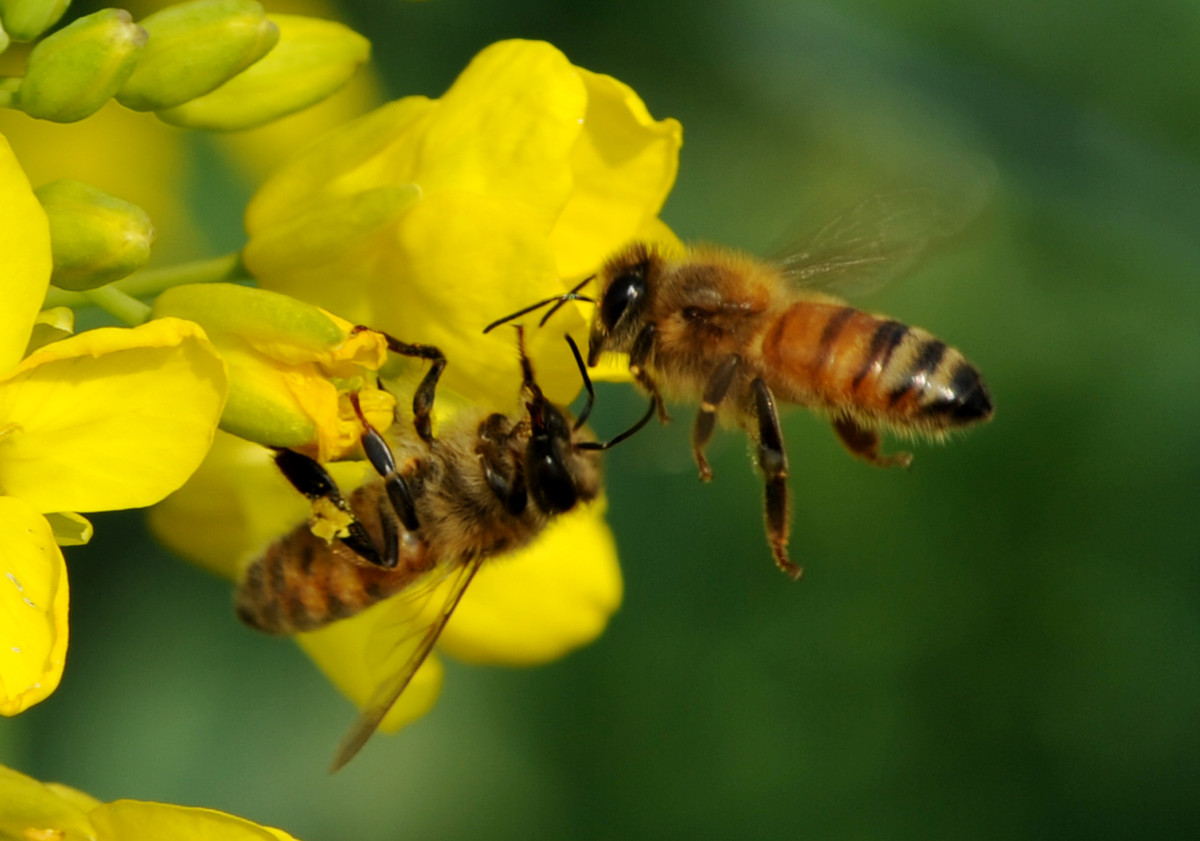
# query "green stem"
(148, 283)
(115, 302)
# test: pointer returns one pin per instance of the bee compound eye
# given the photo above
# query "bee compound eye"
(625, 291)
(550, 481)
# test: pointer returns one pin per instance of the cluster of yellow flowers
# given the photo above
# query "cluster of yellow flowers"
(426, 219)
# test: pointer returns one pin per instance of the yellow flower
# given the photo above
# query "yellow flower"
(108, 419)
(34, 811)
(428, 219)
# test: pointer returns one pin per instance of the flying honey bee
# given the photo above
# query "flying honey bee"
(735, 334)
(486, 485)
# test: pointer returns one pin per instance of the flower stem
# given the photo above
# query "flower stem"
(146, 284)
(115, 302)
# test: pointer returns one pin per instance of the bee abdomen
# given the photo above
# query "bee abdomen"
(876, 369)
(301, 584)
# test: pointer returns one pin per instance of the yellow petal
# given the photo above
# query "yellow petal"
(134, 820)
(537, 604)
(111, 418)
(356, 157)
(506, 128)
(25, 259)
(33, 608)
(30, 810)
(348, 653)
(624, 165)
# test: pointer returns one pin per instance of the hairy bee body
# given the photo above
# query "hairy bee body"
(302, 582)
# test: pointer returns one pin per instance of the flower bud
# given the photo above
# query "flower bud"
(95, 238)
(312, 60)
(25, 20)
(194, 48)
(289, 363)
(72, 73)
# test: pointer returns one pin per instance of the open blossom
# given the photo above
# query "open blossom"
(105, 420)
(428, 219)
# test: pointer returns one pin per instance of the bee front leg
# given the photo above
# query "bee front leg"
(864, 443)
(422, 405)
(311, 479)
(772, 458)
(714, 392)
(639, 355)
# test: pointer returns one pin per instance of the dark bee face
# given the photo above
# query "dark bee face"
(551, 483)
(623, 299)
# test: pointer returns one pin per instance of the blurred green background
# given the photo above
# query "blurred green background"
(1002, 642)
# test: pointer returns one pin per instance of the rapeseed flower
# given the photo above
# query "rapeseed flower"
(427, 219)
(105, 420)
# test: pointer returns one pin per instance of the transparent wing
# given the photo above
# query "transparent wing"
(422, 639)
(883, 236)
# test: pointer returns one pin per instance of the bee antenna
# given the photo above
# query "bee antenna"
(605, 445)
(557, 300)
(587, 383)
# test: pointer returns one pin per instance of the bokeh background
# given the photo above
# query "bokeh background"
(1002, 642)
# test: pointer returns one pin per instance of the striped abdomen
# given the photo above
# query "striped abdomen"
(302, 583)
(879, 371)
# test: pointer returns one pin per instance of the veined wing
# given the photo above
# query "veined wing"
(390, 690)
(883, 236)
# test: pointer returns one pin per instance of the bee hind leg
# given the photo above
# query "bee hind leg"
(864, 443)
(714, 392)
(772, 458)
(311, 479)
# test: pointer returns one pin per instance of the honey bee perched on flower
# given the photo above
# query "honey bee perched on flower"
(484, 486)
(736, 334)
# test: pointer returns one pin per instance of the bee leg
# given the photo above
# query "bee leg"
(772, 458)
(639, 354)
(311, 479)
(864, 443)
(381, 458)
(714, 392)
(422, 405)
(512, 492)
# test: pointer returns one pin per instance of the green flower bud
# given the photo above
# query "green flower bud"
(95, 238)
(194, 48)
(258, 314)
(71, 74)
(313, 59)
(25, 20)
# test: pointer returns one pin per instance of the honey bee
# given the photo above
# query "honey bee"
(486, 485)
(735, 334)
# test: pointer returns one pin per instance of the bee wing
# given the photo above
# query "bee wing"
(883, 236)
(390, 690)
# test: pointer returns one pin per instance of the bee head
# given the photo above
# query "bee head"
(624, 281)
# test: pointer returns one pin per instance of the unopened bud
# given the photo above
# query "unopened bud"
(258, 315)
(195, 48)
(312, 60)
(95, 238)
(72, 73)
(25, 20)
